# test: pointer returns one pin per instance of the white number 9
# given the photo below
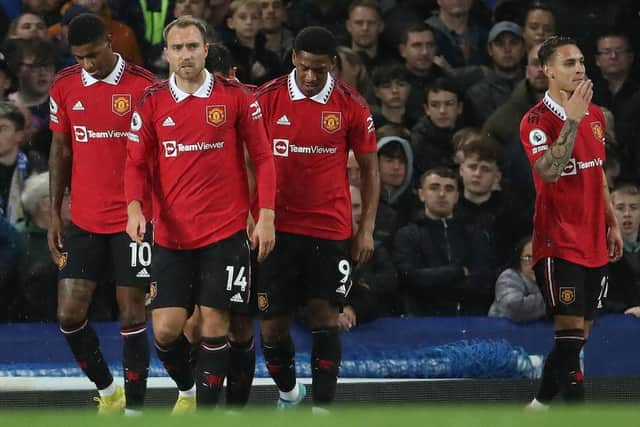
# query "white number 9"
(344, 267)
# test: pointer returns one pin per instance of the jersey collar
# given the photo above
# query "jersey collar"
(203, 91)
(555, 108)
(321, 97)
(113, 78)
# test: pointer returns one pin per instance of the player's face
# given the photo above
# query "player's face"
(10, 138)
(186, 52)
(439, 195)
(274, 15)
(311, 71)
(246, 22)
(419, 51)
(393, 94)
(443, 108)
(195, 8)
(30, 26)
(95, 58)
(507, 51)
(356, 207)
(627, 208)
(565, 69)
(479, 176)
(392, 171)
(525, 262)
(535, 74)
(364, 25)
(538, 25)
(614, 57)
(353, 170)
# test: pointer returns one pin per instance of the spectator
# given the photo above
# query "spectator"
(442, 263)
(518, 296)
(391, 85)
(461, 40)
(431, 137)
(330, 14)
(364, 24)
(15, 164)
(28, 26)
(48, 9)
(460, 139)
(279, 37)
(624, 276)
(33, 64)
(418, 49)
(395, 161)
(506, 49)
(373, 291)
(503, 126)
(351, 70)
(538, 23)
(256, 64)
(123, 39)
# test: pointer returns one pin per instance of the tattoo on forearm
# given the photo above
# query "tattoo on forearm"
(559, 153)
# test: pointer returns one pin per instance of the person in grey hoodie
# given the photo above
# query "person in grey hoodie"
(518, 297)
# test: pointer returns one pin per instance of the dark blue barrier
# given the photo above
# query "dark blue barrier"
(400, 347)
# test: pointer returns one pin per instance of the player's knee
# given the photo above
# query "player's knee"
(241, 328)
(165, 334)
(274, 330)
(69, 318)
(131, 315)
(322, 315)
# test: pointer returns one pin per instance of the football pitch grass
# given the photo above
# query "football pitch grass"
(596, 415)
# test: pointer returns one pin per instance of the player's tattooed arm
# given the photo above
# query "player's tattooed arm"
(554, 160)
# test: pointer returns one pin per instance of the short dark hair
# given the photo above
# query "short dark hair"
(626, 187)
(443, 84)
(316, 40)
(514, 259)
(487, 150)
(9, 111)
(443, 172)
(614, 32)
(371, 4)
(219, 59)
(384, 74)
(42, 52)
(535, 5)
(394, 150)
(415, 27)
(86, 28)
(550, 45)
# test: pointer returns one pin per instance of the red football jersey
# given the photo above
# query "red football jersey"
(97, 114)
(195, 142)
(311, 138)
(569, 219)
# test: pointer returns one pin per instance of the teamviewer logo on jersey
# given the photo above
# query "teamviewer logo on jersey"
(571, 168)
(170, 149)
(281, 147)
(80, 133)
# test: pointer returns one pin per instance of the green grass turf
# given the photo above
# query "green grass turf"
(367, 416)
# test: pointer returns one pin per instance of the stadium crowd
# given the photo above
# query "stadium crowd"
(447, 81)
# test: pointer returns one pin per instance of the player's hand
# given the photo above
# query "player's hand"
(264, 234)
(136, 222)
(347, 319)
(257, 70)
(251, 225)
(633, 311)
(441, 62)
(362, 246)
(576, 105)
(614, 243)
(55, 237)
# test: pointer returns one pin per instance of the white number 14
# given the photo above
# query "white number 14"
(239, 280)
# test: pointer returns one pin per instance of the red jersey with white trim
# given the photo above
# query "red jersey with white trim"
(311, 138)
(569, 219)
(195, 142)
(97, 114)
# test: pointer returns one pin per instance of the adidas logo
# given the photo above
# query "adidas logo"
(78, 106)
(143, 273)
(284, 121)
(236, 298)
(168, 122)
(341, 290)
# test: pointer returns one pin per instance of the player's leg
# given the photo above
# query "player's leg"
(329, 278)
(172, 295)
(278, 296)
(82, 257)
(224, 269)
(192, 333)
(131, 264)
(242, 359)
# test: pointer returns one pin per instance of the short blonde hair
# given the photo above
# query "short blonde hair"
(185, 21)
(249, 4)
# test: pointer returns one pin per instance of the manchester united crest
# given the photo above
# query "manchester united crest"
(216, 114)
(62, 261)
(331, 121)
(263, 301)
(567, 295)
(598, 132)
(153, 290)
(121, 103)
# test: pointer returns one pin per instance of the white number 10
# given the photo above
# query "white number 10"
(140, 252)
